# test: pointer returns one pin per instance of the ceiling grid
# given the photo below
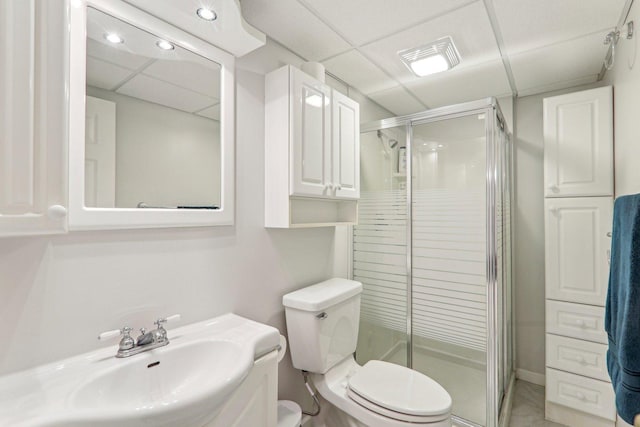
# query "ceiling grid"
(507, 47)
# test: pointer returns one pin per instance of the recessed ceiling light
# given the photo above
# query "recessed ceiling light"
(164, 45)
(435, 57)
(206, 14)
(113, 38)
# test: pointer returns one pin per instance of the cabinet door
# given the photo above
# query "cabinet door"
(578, 144)
(311, 139)
(32, 117)
(577, 248)
(346, 146)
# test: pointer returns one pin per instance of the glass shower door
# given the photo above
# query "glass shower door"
(449, 258)
(380, 247)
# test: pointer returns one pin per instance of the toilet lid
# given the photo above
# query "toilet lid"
(400, 389)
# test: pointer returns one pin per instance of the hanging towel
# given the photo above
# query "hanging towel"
(622, 315)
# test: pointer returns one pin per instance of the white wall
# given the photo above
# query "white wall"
(528, 211)
(625, 78)
(164, 157)
(57, 293)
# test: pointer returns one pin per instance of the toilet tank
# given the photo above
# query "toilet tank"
(322, 323)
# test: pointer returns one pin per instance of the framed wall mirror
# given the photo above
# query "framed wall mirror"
(151, 122)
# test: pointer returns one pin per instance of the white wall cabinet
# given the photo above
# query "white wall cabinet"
(310, 124)
(33, 118)
(578, 174)
(578, 144)
(577, 248)
(312, 152)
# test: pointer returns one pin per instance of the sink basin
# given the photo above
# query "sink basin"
(182, 384)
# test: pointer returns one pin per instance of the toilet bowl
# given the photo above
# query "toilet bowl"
(381, 394)
(323, 321)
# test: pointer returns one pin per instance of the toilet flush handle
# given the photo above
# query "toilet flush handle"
(322, 315)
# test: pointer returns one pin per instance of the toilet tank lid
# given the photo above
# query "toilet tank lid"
(322, 295)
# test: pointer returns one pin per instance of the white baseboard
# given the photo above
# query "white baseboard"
(531, 377)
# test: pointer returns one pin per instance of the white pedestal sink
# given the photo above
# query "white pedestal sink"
(204, 377)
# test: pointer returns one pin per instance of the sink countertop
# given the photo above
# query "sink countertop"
(44, 395)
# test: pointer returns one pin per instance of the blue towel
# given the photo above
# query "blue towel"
(622, 316)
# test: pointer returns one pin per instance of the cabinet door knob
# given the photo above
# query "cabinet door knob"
(56, 212)
(554, 188)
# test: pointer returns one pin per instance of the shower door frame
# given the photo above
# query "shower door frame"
(493, 118)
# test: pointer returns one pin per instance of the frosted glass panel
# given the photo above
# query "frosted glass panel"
(380, 248)
(449, 240)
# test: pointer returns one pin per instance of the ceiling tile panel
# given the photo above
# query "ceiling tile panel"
(562, 62)
(462, 85)
(353, 68)
(362, 21)
(294, 26)
(469, 27)
(212, 112)
(105, 75)
(188, 75)
(527, 24)
(115, 54)
(159, 92)
(397, 100)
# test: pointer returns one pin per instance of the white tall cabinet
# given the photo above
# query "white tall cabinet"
(312, 152)
(33, 117)
(578, 175)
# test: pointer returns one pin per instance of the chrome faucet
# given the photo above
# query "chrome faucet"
(146, 340)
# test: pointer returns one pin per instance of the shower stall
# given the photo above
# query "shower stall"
(433, 250)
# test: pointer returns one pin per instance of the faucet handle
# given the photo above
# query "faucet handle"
(114, 333)
(126, 342)
(162, 320)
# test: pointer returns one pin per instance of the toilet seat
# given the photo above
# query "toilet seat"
(398, 392)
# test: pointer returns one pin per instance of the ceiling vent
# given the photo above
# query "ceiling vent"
(431, 58)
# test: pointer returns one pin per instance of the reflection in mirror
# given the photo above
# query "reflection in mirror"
(152, 121)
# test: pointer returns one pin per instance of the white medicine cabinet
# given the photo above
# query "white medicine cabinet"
(312, 152)
(58, 68)
(33, 131)
(151, 132)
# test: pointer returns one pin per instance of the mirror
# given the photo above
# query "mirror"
(157, 137)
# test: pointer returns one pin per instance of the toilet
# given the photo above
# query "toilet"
(322, 322)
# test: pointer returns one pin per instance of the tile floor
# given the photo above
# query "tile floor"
(528, 406)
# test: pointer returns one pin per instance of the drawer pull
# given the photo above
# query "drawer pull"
(580, 323)
(578, 359)
(581, 396)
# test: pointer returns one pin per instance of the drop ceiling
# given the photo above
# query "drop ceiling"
(137, 68)
(507, 46)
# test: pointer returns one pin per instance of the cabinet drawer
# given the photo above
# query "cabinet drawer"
(576, 321)
(577, 356)
(581, 393)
